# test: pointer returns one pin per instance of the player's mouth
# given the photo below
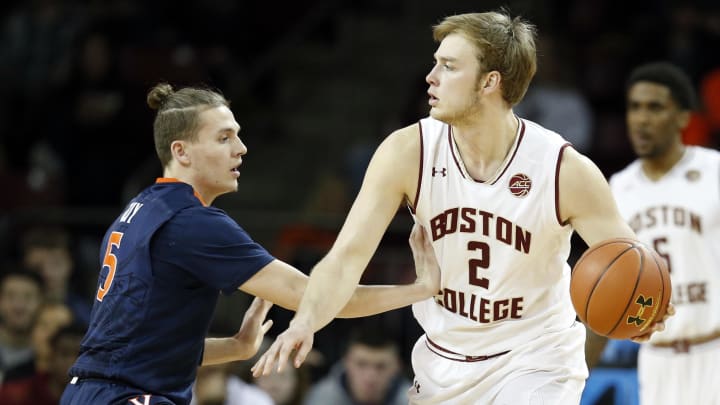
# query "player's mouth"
(432, 100)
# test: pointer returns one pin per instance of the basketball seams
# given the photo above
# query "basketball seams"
(602, 275)
(601, 279)
(663, 304)
(637, 283)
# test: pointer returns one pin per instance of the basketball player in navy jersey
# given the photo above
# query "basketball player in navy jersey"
(169, 254)
(500, 197)
(670, 196)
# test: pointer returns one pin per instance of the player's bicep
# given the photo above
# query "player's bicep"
(586, 201)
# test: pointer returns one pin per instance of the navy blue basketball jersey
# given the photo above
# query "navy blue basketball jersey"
(165, 260)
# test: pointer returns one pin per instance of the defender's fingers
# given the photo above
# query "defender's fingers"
(257, 368)
(266, 327)
(283, 356)
(302, 353)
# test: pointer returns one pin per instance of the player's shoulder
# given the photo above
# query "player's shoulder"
(404, 139)
(534, 131)
(626, 174)
(704, 153)
(199, 215)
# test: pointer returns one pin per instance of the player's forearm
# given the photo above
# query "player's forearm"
(223, 350)
(328, 291)
(374, 299)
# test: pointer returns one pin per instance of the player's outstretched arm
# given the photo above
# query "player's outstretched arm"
(391, 175)
(246, 342)
(374, 299)
(586, 201)
(284, 285)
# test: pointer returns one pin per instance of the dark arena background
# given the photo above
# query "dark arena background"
(316, 86)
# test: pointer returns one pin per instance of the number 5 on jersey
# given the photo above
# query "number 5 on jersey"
(110, 261)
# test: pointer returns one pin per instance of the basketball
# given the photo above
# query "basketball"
(619, 288)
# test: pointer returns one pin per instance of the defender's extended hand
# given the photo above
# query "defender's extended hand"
(253, 329)
(298, 338)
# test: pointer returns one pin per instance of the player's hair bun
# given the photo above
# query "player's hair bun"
(158, 95)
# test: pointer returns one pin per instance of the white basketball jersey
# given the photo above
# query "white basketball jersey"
(502, 251)
(679, 216)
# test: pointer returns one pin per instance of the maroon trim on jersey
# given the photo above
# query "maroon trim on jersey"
(434, 347)
(452, 151)
(517, 146)
(420, 173)
(514, 152)
(557, 185)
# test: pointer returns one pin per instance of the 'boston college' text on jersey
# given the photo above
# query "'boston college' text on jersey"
(500, 244)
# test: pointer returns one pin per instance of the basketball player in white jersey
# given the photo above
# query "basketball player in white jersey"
(500, 197)
(670, 196)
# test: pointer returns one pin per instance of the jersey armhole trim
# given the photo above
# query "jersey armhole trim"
(557, 185)
(413, 204)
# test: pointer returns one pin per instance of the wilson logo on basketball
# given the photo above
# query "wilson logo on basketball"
(520, 185)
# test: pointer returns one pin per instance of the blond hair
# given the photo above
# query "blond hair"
(177, 114)
(503, 44)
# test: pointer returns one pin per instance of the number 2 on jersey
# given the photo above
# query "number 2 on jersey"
(476, 264)
(110, 261)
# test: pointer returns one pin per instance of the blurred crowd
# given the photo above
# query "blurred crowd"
(76, 143)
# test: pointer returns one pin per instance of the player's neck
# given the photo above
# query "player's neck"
(484, 144)
(656, 167)
(184, 176)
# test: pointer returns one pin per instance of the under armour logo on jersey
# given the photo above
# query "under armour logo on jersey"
(442, 171)
(643, 302)
(520, 185)
(416, 384)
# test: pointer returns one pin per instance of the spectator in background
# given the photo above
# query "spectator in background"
(45, 387)
(216, 385)
(370, 373)
(47, 251)
(20, 299)
(554, 100)
(51, 317)
(287, 387)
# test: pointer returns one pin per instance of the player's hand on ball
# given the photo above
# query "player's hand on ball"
(657, 326)
(254, 327)
(427, 268)
(297, 338)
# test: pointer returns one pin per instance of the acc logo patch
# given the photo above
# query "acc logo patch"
(520, 185)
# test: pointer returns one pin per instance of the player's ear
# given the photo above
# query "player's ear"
(179, 152)
(683, 119)
(490, 82)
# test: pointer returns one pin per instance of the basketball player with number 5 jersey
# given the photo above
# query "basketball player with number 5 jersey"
(500, 197)
(168, 256)
(670, 196)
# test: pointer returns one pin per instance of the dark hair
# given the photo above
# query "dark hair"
(12, 270)
(666, 74)
(50, 237)
(177, 114)
(370, 334)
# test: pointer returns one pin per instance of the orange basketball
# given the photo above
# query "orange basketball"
(620, 287)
